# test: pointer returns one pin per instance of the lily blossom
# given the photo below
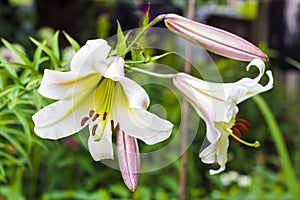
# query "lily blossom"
(95, 93)
(129, 159)
(213, 39)
(217, 103)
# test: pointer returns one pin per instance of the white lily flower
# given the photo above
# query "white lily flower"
(96, 93)
(217, 103)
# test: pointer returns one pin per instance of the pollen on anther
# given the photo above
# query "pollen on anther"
(104, 115)
(84, 120)
(112, 125)
(95, 116)
(91, 113)
(94, 128)
(243, 121)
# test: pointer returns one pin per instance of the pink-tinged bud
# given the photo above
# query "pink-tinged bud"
(213, 39)
(129, 159)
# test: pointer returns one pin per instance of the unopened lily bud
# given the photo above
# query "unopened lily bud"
(213, 39)
(129, 159)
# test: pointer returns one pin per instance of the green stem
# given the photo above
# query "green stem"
(152, 23)
(150, 73)
(291, 180)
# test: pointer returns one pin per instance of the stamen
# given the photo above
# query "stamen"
(84, 120)
(243, 121)
(94, 128)
(104, 115)
(238, 133)
(91, 113)
(112, 125)
(241, 127)
(95, 117)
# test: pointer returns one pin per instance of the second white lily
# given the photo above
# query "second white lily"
(217, 103)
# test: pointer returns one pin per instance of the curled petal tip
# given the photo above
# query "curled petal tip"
(129, 159)
(213, 39)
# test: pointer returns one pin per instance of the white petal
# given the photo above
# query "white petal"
(143, 125)
(216, 152)
(138, 122)
(136, 95)
(58, 85)
(55, 85)
(101, 149)
(115, 68)
(59, 120)
(90, 57)
(64, 117)
(207, 98)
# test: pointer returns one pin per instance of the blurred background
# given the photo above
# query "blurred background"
(64, 169)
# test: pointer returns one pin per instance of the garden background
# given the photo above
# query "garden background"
(34, 168)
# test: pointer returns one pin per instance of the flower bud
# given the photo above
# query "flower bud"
(213, 39)
(129, 159)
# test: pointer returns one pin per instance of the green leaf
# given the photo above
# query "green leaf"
(137, 55)
(146, 17)
(17, 51)
(2, 173)
(121, 45)
(72, 41)
(10, 89)
(37, 56)
(55, 60)
(15, 64)
(17, 145)
(293, 62)
(11, 158)
(154, 58)
(25, 124)
(55, 45)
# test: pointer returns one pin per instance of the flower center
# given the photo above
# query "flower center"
(240, 127)
(102, 114)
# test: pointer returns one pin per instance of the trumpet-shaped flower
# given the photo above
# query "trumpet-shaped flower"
(213, 39)
(96, 94)
(217, 103)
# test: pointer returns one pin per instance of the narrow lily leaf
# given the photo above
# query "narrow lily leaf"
(293, 62)
(2, 173)
(37, 56)
(26, 128)
(146, 17)
(17, 51)
(154, 58)
(121, 45)
(129, 159)
(10, 89)
(15, 64)
(17, 145)
(72, 41)
(48, 51)
(11, 158)
(213, 39)
(138, 55)
(55, 45)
